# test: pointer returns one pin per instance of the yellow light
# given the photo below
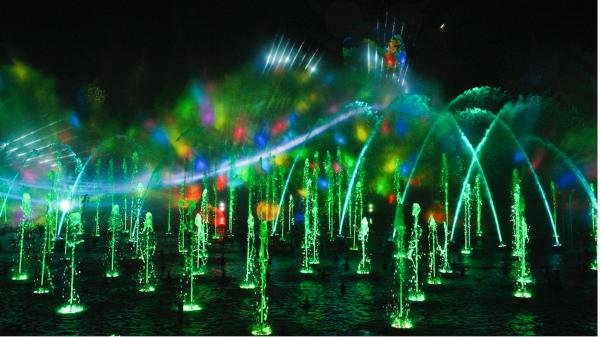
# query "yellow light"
(361, 133)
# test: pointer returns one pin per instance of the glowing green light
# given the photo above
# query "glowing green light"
(247, 285)
(522, 294)
(416, 296)
(401, 323)
(261, 329)
(112, 273)
(20, 276)
(41, 290)
(190, 306)
(68, 309)
(148, 288)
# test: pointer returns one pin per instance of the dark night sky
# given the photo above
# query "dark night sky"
(139, 51)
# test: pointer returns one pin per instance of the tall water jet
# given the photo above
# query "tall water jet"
(329, 172)
(554, 202)
(434, 247)
(148, 278)
(478, 204)
(230, 209)
(25, 225)
(114, 226)
(339, 185)
(125, 227)
(199, 240)
(98, 199)
(414, 293)
(364, 266)
(45, 282)
(466, 250)
(523, 274)
(594, 216)
(136, 210)
(215, 207)
(72, 306)
(290, 213)
(515, 214)
(182, 224)
(315, 230)
(190, 303)
(262, 327)
(248, 282)
(399, 317)
(445, 262)
(306, 267)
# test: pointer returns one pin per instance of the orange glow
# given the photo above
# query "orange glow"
(266, 211)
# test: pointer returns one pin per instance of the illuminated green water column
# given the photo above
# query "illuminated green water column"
(190, 303)
(515, 214)
(136, 211)
(339, 185)
(478, 204)
(248, 282)
(523, 275)
(315, 230)
(72, 306)
(364, 266)
(306, 268)
(432, 276)
(231, 186)
(330, 188)
(98, 199)
(358, 206)
(114, 225)
(215, 213)
(135, 163)
(290, 213)
(126, 228)
(445, 262)
(262, 327)
(414, 293)
(199, 239)
(182, 224)
(466, 250)
(148, 279)
(399, 316)
(45, 282)
(594, 216)
(25, 225)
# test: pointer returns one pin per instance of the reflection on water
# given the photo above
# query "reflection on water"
(523, 324)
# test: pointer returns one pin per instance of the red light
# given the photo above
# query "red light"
(221, 182)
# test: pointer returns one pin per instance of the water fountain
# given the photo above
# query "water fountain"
(147, 281)
(414, 293)
(199, 241)
(231, 207)
(182, 223)
(466, 250)
(399, 317)
(523, 275)
(262, 327)
(364, 266)
(248, 282)
(315, 231)
(594, 231)
(125, 228)
(114, 227)
(478, 204)
(306, 267)
(72, 306)
(45, 282)
(445, 262)
(434, 247)
(329, 172)
(25, 226)
(98, 199)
